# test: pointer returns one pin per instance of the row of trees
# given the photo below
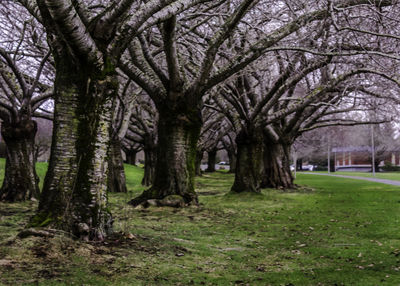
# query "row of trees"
(177, 78)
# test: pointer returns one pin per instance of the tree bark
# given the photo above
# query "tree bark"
(277, 172)
(211, 161)
(20, 178)
(249, 163)
(299, 164)
(150, 156)
(131, 157)
(199, 158)
(178, 134)
(116, 173)
(74, 196)
(232, 160)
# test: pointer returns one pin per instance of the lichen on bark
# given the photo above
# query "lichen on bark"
(74, 196)
(178, 135)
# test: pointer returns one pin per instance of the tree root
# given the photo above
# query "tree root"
(174, 201)
(50, 233)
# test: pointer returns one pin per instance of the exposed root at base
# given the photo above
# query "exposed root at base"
(41, 233)
(174, 201)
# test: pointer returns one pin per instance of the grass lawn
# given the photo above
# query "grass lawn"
(395, 176)
(334, 232)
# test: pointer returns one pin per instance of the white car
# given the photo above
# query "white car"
(308, 167)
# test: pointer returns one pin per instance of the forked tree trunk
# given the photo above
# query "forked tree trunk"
(74, 196)
(277, 172)
(199, 158)
(20, 179)
(178, 134)
(249, 163)
(150, 156)
(212, 160)
(116, 173)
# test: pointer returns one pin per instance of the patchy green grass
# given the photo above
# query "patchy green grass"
(395, 176)
(335, 232)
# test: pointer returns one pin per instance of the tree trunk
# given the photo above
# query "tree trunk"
(74, 196)
(199, 158)
(249, 162)
(20, 179)
(116, 174)
(277, 172)
(377, 168)
(150, 157)
(332, 165)
(232, 160)
(178, 134)
(131, 157)
(299, 164)
(211, 161)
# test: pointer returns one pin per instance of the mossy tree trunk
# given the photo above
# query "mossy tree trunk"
(199, 158)
(277, 172)
(249, 163)
(116, 173)
(74, 197)
(211, 161)
(150, 156)
(20, 179)
(178, 134)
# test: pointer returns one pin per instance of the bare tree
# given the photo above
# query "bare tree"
(87, 42)
(23, 88)
(178, 62)
(143, 130)
(123, 107)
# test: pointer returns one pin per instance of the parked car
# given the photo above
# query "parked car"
(304, 168)
(223, 163)
(308, 167)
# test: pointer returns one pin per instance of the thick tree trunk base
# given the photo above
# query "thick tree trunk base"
(277, 174)
(249, 164)
(85, 229)
(178, 135)
(20, 178)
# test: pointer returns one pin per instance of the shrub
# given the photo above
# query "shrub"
(390, 168)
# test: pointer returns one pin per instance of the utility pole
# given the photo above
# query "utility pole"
(334, 163)
(373, 149)
(329, 154)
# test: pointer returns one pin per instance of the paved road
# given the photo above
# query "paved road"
(383, 181)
